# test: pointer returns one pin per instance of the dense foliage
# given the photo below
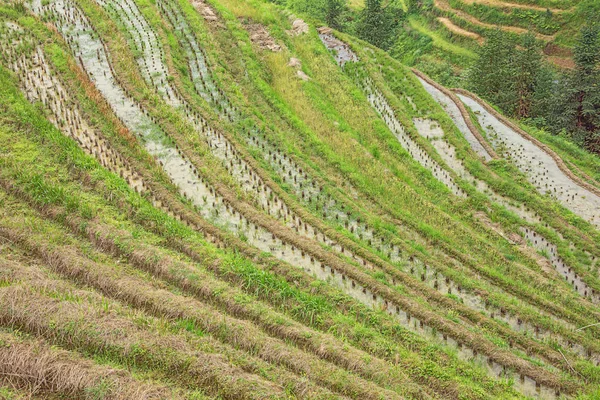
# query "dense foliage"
(378, 22)
(516, 79)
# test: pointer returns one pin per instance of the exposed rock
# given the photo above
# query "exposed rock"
(303, 76)
(205, 10)
(343, 53)
(295, 63)
(299, 27)
(261, 37)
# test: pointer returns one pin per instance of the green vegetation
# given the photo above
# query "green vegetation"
(415, 35)
(377, 24)
(517, 81)
(439, 41)
(307, 252)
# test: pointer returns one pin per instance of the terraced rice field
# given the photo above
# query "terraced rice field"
(554, 24)
(187, 212)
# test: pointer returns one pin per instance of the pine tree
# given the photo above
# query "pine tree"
(575, 105)
(528, 64)
(561, 114)
(376, 25)
(586, 79)
(544, 94)
(333, 13)
(493, 74)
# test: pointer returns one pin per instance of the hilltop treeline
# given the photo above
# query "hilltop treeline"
(378, 22)
(516, 79)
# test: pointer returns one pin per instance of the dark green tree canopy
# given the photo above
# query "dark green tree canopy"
(377, 24)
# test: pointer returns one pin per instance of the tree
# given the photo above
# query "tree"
(575, 105)
(493, 74)
(587, 79)
(333, 13)
(560, 107)
(543, 96)
(376, 24)
(528, 65)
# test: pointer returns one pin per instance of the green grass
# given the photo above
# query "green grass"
(277, 62)
(539, 21)
(330, 128)
(258, 282)
(356, 4)
(319, 147)
(439, 41)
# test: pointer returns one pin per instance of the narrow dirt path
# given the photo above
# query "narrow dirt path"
(459, 31)
(505, 4)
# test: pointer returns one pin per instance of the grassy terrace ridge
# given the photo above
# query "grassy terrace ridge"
(556, 25)
(483, 18)
(160, 302)
(440, 41)
(32, 366)
(147, 293)
(257, 283)
(536, 19)
(249, 277)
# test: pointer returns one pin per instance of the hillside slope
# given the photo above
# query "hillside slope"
(217, 200)
(466, 23)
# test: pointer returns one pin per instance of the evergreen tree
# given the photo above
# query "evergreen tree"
(575, 105)
(333, 13)
(543, 96)
(376, 24)
(528, 64)
(493, 74)
(560, 110)
(586, 80)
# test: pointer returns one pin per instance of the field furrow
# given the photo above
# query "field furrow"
(37, 368)
(428, 129)
(115, 283)
(228, 215)
(219, 200)
(538, 242)
(436, 284)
